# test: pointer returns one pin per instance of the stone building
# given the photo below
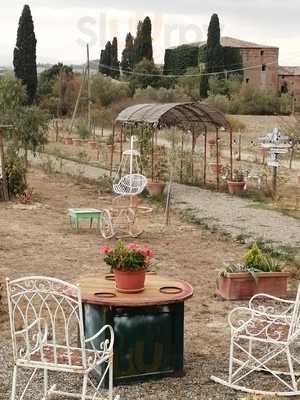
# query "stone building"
(261, 67)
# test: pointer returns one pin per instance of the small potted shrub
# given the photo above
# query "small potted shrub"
(237, 184)
(129, 264)
(259, 273)
(156, 186)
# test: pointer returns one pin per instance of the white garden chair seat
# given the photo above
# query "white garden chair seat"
(47, 334)
(265, 337)
(130, 185)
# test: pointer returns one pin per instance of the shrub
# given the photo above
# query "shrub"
(15, 173)
(161, 95)
(83, 130)
(105, 90)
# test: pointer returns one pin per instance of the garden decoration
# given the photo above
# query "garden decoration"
(127, 184)
(47, 330)
(129, 264)
(128, 181)
(259, 273)
(264, 339)
(275, 143)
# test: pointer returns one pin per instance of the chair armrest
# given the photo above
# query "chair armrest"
(108, 344)
(241, 322)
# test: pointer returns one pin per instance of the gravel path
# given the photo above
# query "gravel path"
(236, 217)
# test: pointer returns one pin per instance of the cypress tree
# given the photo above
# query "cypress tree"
(144, 41)
(101, 62)
(25, 54)
(115, 65)
(137, 43)
(214, 54)
(106, 59)
(127, 61)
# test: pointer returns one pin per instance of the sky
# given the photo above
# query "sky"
(63, 27)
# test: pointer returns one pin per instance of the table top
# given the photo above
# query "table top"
(159, 290)
(83, 210)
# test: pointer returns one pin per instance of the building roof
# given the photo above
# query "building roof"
(288, 70)
(172, 114)
(227, 41)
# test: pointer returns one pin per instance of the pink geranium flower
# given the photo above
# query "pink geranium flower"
(105, 249)
(132, 246)
(146, 251)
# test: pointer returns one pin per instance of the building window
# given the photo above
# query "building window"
(247, 80)
(263, 67)
(262, 53)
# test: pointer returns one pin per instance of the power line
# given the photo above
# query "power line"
(190, 75)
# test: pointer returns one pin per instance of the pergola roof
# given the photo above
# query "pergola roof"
(172, 114)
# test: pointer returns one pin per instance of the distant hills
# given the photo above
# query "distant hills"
(94, 64)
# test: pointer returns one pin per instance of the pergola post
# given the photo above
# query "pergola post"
(217, 157)
(231, 154)
(181, 158)
(193, 149)
(153, 132)
(205, 155)
(112, 149)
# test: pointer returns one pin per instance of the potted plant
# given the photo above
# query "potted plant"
(259, 273)
(129, 264)
(156, 186)
(237, 183)
(215, 168)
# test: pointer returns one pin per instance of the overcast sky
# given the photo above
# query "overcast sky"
(63, 26)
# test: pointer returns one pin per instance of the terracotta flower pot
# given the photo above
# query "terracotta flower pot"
(155, 189)
(215, 168)
(77, 142)
(242, 286)
(68, 140)
(93, 144)
(235, 187)
(130, 281)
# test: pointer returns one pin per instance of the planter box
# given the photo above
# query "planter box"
(242, 286)
(68, 140)
(77, 142)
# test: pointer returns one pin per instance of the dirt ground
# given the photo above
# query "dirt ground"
(38, 239)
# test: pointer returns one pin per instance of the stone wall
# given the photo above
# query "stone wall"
(261, 68)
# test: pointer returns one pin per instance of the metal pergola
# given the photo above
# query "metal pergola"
(186, 116)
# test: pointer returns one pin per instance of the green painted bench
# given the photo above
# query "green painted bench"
(75, 214)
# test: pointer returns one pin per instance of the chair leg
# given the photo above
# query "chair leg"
(110, 389)
(84, 387)
(231, 359)
(14, 383)
(291, 368)
(45, 383)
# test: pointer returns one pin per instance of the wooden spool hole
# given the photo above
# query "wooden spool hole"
(170, 290)
(105, 294)
(110, 277)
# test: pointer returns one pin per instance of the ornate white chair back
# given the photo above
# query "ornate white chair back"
(46, 322)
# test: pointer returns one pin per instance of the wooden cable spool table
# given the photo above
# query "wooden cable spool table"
(148, 326)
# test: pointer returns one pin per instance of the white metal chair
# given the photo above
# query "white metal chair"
(265, 338)
(48, 334)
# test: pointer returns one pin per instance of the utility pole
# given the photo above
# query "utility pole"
(2, 162)
(89, 87)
